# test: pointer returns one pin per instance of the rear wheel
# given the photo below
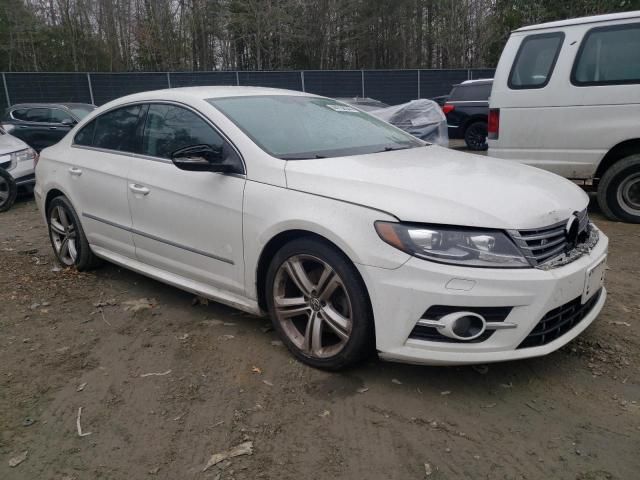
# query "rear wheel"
(619, 190)
(8, 190)
(319, 305)
(67, 237)
(475, 136)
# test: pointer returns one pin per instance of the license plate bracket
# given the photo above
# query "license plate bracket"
(594, 279)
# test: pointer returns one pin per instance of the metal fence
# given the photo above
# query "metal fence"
(390, 86)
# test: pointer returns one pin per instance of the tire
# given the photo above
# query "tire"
(475, 136)
(65, 229)
(8, 190)
(338, 306)
(619, 190)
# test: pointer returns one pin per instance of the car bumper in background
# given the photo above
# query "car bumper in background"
(401, 297)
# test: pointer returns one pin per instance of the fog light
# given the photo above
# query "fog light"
(463, 326)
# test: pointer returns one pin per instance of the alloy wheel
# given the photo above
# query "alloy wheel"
(63, 235)
(312, 306)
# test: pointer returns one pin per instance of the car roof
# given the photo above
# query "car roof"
(479, 81)
(50, 105)
(582, 20)
(207, 92)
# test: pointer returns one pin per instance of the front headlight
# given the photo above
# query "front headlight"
(454, 245)
(23, 155)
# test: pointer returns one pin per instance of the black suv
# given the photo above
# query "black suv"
(43, 124)
(467, 111)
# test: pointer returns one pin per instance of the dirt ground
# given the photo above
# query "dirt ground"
(70, 341)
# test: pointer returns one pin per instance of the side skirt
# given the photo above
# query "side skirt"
(197, 288)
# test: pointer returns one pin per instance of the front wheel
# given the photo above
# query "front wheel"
(8, 190)
(619, 190)
(475, 136)
(319, 305)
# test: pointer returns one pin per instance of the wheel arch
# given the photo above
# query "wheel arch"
(618, 152)
(51, 194)
(476, 117)
(278, 241)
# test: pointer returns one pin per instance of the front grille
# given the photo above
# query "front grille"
(559, 321)
(436, 312)
(543, 244)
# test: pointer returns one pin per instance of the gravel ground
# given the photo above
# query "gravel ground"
(164, 383)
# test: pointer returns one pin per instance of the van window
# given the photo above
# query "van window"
(535, 61)
(608, 56)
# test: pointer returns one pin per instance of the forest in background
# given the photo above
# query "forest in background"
(179, 35)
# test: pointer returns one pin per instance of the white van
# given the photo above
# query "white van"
(566, 98)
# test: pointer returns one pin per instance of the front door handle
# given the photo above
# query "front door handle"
(76, 172)
(139, 189)
(53, 128)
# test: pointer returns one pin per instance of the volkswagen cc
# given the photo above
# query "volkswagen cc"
(352, 235)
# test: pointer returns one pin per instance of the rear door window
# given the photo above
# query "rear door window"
(37, 115)
(471, 92)
(116, 130)
(608, 56)
(59, 116)
(535, 61)
(85, 135)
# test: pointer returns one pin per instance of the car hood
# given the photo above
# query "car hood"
(10, 144)
(437, 185)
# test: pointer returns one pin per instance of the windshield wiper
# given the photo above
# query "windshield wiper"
(307, 157)
(391, 149)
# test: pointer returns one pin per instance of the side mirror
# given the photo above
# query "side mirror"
(68, 122)
(201, 158)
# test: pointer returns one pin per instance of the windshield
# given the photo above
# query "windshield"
(299, 127)
(81, 111)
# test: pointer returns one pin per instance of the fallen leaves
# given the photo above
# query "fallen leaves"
(245, 448)
(18, 459)
(138, 305)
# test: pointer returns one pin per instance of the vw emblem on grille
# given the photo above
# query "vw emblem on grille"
(573, 231)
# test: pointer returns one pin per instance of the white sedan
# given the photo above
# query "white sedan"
(353, 235)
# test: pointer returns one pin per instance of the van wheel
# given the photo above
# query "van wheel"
(619, 190)
(475, 136)
(319, 305)
(68, 240)
(8, 190)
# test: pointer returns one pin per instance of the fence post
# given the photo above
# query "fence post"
(362, 72)
(169, 79)
(6, 90)
(237, 78)
(90, 88)
(419, 84)
(302, 79)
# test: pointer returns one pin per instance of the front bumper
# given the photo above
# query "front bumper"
(400, 298)
(23, 173)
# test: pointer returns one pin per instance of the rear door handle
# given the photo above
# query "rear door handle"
(76, 172)
(139, 189)
(53, 128)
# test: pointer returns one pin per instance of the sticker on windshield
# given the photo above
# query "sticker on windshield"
(342, 108)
